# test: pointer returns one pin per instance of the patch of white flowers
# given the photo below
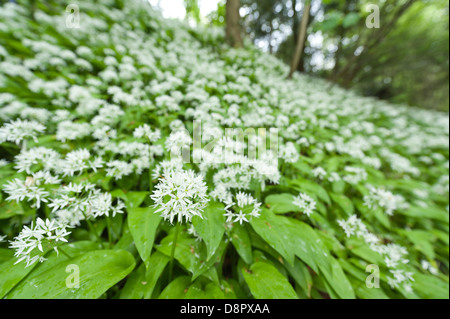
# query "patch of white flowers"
(306, 204)
(19, 130)
(35, 241)
(381, 198)
(242, 209)
(180, 195)
(394, 255)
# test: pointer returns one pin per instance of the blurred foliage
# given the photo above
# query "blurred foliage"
(405, 61)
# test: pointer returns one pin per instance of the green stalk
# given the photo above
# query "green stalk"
(174, 245)
(91, 227)
(108, 223)
(64, 253)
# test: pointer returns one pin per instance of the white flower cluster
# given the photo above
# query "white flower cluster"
(381, 198)
(180, 195)
(394, 255)
(242, 209)
(74, 203)
(19, 130)
(305, 203)
(34, 242)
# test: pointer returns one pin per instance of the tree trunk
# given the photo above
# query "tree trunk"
(233, 26)
(301, 41)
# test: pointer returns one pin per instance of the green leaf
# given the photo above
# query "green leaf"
(272, 229)
(351, 19)
(281, 203)
(99, 271)
(203, 289)
(6, 254)
(132, 199)
(430, 287)
(241, 241)
(143, 224)
(11, 275)
(338, 281)
(307, 245)
(141, 283)
(211, 227)
(10, 209)
(344, 202)
(191, 253)
(176, 289)
(266, 282)
(158, 263)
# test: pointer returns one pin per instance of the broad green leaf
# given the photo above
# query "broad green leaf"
(190, 253)
(299, 271)
(158, 263)
(141, 283)
(430, 287)
(143, 224)
(344, 202)
(99, 271)
(6, 254)
(273, 230)
(135, 285)
(176, 289)
(11, 275)
(241, 241)
(281, 203)
(211, 227)
(429, 212)
(266, 282)
(132, 199)
(203, 289)
(307, 245)
(337, 280)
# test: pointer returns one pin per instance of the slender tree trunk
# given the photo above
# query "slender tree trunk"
(295, 23)
(301, 40)
(233, 26)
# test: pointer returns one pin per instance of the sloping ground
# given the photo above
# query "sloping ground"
(90, 116)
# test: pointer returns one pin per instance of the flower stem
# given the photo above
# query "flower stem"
(174, 245)
(109, 225)
(91, 227)
(64, 253)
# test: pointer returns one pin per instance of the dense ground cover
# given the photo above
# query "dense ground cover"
(91, 119)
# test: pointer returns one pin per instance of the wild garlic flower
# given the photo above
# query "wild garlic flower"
(353, 226)
(2, 238)
(34, 242)
(305, 203)
(20, 190)
(243, 209)
(18, 130)
(78, 161)
(180, 195)
(37, 158)
(380, 198)
(76, 202)
(319, 173)
(426, 265)
(145, 130)
(355, 175)
(289, 153)
(394, 255)
(401, 277)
